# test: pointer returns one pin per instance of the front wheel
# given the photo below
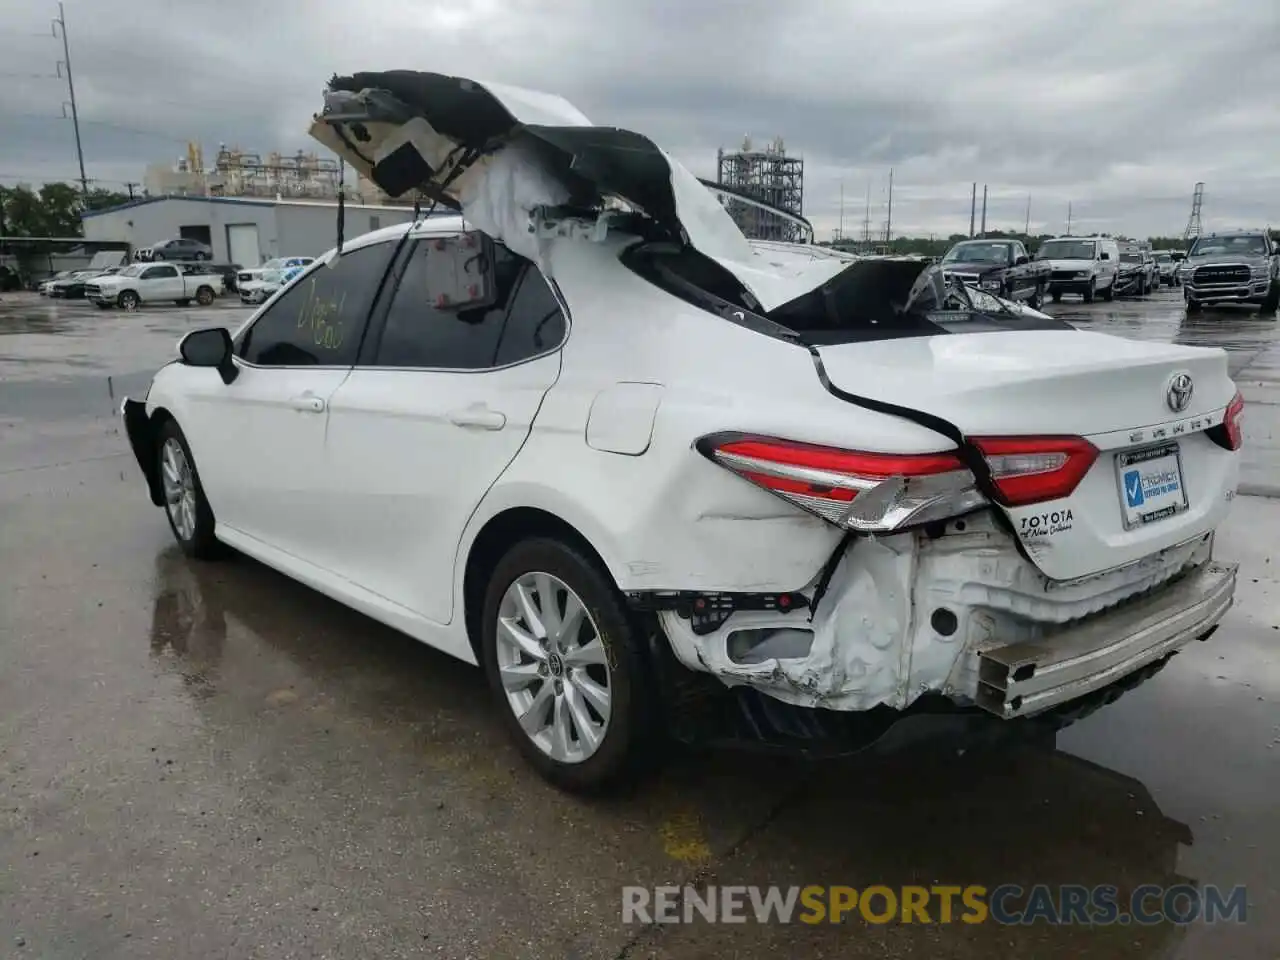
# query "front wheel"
(202, 256)
(1193, 306)
(1272, 301)
(1056, 297)
(1109, 294)
(189, 513)
(129, 300)
(567, 665)
(1036, 300)
(1091, 293)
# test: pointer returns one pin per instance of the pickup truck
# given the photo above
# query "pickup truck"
(153, 282)
(1000, 267)
(1242, 267)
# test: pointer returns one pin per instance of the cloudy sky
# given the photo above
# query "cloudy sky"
(1116, 107)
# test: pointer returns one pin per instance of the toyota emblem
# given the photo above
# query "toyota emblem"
(1178, 394)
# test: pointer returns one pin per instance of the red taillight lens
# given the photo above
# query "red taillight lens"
(1231, 422)
(1030, 470)
(878, 492)
(872, 492)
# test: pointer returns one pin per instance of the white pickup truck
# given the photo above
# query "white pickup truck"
(153, 282)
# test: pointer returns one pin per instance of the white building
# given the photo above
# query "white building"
(243, 230)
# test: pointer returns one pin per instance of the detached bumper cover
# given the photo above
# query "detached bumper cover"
(1028, 678)
(141, 435)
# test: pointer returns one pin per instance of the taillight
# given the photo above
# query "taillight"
(1230, 434)
(1030, 470)
(879, 492)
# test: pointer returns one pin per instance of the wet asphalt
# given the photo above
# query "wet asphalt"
(209, 760)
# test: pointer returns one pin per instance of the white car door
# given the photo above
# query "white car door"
(419, 432)
(259, 440)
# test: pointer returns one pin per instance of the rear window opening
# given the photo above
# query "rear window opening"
(873, 299)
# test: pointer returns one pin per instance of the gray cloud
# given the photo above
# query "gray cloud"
(1117, 109)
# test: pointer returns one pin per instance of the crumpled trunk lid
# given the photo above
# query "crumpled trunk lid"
(500, 153)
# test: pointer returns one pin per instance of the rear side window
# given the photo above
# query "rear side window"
(320, 320)
(525, 320)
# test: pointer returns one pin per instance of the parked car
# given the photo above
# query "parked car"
(1137, 274)
(249, 275)
(1237, 267)
(1167, 266)
(73, 287)
(43, 287)
(1084, 265)
(1001, 267)
(651, 476)
(178, 248)
(268, 282)
(57, 288)
(142, 283)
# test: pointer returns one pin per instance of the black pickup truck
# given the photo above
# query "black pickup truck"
(998, 266)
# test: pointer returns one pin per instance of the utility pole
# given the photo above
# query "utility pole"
(131, 186)
(1068, 218)
(1026, 230)
(840, 230)
(984, 209)
(60, 28)
(866, 220)
(888, 220)
(973, 207)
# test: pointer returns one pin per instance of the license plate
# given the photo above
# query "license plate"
(1151, 485)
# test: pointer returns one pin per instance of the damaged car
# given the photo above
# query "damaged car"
(658, 480)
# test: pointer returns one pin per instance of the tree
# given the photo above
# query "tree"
(53, 211)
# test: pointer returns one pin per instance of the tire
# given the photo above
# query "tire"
(1091, 293)
(186, 507)
(1056, 297)
(205, 296)
(201, 256)
(128, 300)
(1109, 294)
(158, 256)
(1272, 302)
(1036, 300)
(1193, 306)
(617, 667)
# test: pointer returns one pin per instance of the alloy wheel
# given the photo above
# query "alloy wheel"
(553, 667)
(179, 488)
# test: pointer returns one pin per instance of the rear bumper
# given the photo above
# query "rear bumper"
(1027, 678)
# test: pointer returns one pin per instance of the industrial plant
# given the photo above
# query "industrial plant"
(768, 175)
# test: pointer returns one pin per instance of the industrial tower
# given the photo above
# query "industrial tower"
(770, 176)
(1193, 221)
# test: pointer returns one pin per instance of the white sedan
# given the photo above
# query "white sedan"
(590, 437)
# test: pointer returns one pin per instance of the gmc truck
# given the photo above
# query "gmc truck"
(1238, 267)
(1000, 267)
(149, 283)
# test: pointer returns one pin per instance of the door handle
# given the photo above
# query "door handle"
(478, 417)
(307, 403)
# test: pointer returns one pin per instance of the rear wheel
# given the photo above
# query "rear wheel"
(204, 296)
(201, 255)
(190, 516)
(565, 660)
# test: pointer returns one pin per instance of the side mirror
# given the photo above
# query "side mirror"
(1021, 260)
(1105, 255)
(210, 347)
